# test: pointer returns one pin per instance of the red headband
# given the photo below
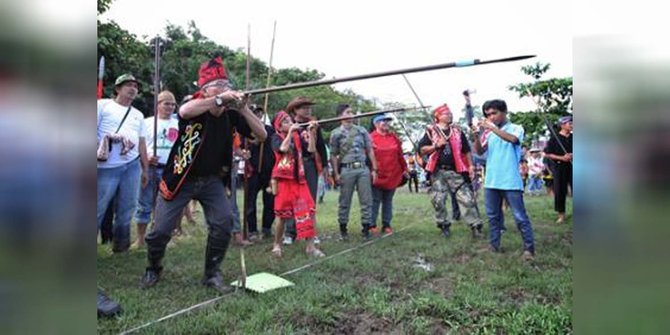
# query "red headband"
(444, 109)
(278, 120)
(211, 70)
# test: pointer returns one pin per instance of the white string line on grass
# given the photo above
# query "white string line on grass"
(290, 272)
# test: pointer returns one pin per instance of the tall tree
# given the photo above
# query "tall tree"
(554, 96)
(182, 52)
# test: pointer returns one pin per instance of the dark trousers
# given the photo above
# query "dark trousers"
(254, 185)
(562, 178)
(413, 177)
(209, 191)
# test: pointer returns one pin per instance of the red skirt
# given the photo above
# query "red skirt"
(294, 201)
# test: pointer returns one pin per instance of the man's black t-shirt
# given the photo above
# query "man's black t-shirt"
(217, 150)
(554, 148)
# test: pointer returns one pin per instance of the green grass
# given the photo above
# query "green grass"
(375, 289)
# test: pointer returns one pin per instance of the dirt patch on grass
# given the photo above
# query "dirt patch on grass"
(441, 285)
(517, 296)
(362, 323)
(309, 322)
(463, 258)
(438, 327)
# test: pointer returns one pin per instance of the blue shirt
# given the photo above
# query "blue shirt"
(502, 160)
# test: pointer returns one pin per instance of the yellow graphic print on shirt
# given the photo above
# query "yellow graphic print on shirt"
(190, 140)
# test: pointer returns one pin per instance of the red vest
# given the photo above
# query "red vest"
(460, 160)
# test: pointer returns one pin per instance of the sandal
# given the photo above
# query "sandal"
(315, 253)
(276, 251)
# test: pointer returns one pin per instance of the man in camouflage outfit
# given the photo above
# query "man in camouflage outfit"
(451, 168)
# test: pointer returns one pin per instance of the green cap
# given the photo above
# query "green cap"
(124, 78)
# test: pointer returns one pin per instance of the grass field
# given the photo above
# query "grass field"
(377, 288)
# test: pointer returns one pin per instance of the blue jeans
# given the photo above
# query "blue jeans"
(145, 205)
(127, 180)
(535, 185)
(385, 199)
(493, 199)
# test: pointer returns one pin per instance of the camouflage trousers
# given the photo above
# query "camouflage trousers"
(445, 182)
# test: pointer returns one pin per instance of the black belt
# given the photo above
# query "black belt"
(354, 165)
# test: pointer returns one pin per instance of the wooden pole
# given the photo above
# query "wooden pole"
(265, 104)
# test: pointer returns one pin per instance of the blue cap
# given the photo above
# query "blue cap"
(381, 117)
(565, 119)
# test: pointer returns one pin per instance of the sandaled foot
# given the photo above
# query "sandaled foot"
(315, 253)
(276, 251)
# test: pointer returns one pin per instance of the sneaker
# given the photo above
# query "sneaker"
(150, 278)
(254, 236)
(494, 249)
(106, 306)
(527, 256)
(288, 240)
(344, 236)
(374, 230)
(387, 231)
(216, 282)
(317, 240)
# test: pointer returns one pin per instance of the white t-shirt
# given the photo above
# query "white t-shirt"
(167, 136)
(535, 165)
(110, 114)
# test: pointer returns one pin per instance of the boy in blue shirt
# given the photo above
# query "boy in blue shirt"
(502, 144)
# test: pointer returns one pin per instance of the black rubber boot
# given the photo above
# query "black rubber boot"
(214, 254)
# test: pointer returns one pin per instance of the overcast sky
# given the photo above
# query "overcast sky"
(344, 38)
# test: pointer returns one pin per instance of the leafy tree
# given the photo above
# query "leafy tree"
(103, 5)
(554, 96)
(181, 53)
(124, 54)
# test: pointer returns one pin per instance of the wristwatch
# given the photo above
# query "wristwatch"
(218, 100)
